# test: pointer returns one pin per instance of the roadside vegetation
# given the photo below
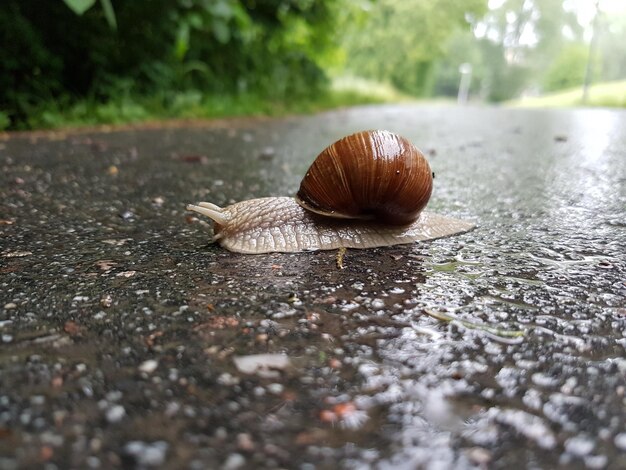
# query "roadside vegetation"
(195, 105)
(608, 95)
(86, 62)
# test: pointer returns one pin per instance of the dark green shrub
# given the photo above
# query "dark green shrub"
(159, 48)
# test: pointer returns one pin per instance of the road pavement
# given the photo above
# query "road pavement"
(128, 340)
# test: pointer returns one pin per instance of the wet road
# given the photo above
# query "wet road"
(125, 335)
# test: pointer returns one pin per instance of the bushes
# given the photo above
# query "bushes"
(160, 49)
(568, 69)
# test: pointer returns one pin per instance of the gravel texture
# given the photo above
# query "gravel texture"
(129, 341)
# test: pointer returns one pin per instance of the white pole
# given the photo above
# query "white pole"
(464, 85)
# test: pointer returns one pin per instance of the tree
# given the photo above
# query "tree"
(612, 47)
(520, 40)
(462, 47)
(401, 39)
(567, 69)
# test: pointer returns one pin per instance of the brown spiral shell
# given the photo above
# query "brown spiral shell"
(375, 175)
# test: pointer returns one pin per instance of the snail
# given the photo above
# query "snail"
(366, 190)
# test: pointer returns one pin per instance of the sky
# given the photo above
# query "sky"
(585, 9)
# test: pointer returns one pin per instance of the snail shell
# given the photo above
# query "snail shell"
(365, 190)
(370, 175)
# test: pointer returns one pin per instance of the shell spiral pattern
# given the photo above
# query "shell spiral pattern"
(370, 175)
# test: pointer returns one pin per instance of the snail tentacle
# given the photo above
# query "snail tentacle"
(210, 205)
(213, 212)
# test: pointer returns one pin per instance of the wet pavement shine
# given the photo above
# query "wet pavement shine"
(128, 340)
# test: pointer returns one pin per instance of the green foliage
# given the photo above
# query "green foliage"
(404, 38)
(612, 42)
(109, 13)
(513, 60)
(568, 69)
(95, 61)
(557, 55)
(189, 105)
(81, 6)
(4, 121)
(503, 79)
(461, 48)
(163, 48)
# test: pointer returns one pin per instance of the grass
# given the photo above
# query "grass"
(607, 94)
(344, 91)
(129, 109)
(381, 92)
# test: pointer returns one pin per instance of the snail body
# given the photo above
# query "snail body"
(365, 190)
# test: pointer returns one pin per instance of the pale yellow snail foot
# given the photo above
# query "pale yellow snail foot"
(279, 224)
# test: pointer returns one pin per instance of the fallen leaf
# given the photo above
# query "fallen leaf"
(263, 365)
(71, 328)
(106, 264)
(126, 274)
(106, 301)
(16, 254)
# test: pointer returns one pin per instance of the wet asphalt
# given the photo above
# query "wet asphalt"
(125, 334)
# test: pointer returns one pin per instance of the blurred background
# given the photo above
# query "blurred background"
(85, 62)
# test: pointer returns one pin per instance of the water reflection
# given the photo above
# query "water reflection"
(583, 189)
(595, 134)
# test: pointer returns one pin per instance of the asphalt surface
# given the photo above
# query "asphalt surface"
(126, 337)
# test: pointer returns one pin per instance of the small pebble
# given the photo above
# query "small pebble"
(234, 461)
(115, 414)
(227, 379)
(37, 400)
(221, 433)
(149, 366)
(595, 461)
(275, 388)
(579, 445)
(479, 455)
(149, 454)
(267, 153)
(245, 442)
(620, 441)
